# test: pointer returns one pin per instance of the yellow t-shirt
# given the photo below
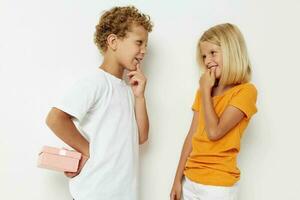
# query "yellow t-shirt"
(214, 162)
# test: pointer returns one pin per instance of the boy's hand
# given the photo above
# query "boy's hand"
(207, 80)
(81, 165)
(137, 80)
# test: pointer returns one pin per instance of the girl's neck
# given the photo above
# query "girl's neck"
(219, 89)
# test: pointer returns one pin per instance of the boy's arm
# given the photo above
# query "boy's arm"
(142, 118)
(62, 125)
(138, 81)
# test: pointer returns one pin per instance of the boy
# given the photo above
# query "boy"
(104, 118)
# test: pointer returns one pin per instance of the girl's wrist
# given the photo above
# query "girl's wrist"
(207, 91)
(178, 178)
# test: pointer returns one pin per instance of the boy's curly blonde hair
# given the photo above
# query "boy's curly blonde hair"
(118, 21)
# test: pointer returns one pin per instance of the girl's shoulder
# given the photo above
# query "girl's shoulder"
(244, 89)
(245, 86)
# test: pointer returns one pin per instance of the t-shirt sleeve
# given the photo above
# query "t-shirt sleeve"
(79, 99)
(196, 104)
(245, 100)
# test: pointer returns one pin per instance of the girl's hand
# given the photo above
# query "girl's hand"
(176, 191)
(208, 79)
(82, 162)
(137, 81)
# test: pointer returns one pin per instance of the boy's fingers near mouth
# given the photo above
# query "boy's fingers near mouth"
(131, 74)
(138, 67)
(133, 81)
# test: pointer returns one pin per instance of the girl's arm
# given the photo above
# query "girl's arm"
(186, 150)
(216, 127)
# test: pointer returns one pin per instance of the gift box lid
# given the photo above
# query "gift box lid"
(61, 151)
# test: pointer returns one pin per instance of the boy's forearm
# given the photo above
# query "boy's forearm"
(142, 119)
(211, 118)
(65, 129)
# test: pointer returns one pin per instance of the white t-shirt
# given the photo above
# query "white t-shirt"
(103, 107)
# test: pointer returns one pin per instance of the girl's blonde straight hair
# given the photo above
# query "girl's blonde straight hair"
(236, 63)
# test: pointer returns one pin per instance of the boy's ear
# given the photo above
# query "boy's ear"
(112, 41)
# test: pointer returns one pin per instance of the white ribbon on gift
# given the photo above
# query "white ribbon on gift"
(62, 152)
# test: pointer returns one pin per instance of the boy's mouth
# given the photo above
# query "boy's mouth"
(138, 60)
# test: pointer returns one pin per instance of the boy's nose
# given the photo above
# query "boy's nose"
(143, 50)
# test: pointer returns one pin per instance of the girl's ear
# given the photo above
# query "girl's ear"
(112, 41)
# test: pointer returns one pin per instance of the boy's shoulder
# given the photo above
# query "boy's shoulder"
(93, 81)
(95, 77)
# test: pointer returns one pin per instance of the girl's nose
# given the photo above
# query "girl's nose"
(207, 60)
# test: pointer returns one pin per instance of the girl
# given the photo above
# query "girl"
(223, 107)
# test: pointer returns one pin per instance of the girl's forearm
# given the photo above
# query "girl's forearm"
(210, 116)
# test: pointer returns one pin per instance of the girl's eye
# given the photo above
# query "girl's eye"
(204, 56)
(139, 42)
(213, 52)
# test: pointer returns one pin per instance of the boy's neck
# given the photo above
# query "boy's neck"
(112, 67)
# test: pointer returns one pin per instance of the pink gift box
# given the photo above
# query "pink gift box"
(59, 159)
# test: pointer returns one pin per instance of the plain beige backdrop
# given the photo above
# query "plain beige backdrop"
(45, 46)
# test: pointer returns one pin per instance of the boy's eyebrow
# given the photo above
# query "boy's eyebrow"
(142, 40)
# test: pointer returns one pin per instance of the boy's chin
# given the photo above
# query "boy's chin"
(131, 68)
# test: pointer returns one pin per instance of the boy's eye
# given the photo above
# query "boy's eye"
(204, 56)
(213, 52)
(139, 42)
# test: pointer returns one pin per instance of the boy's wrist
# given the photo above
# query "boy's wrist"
(140, 97)
(86, 151)
(85, 157)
